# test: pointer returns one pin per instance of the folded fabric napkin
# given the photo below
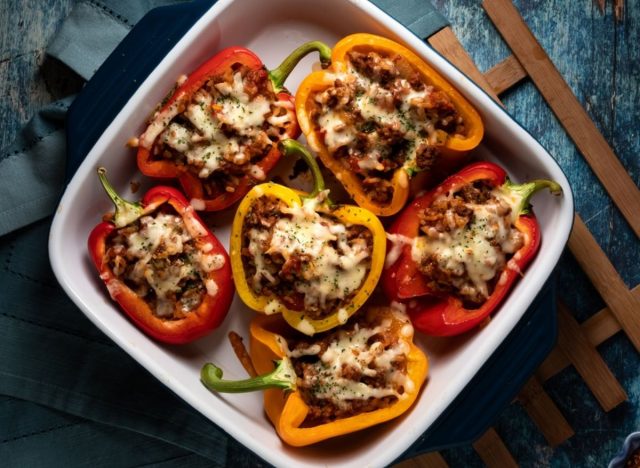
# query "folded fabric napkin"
(68, 395)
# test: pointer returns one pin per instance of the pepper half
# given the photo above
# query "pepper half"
(205, 194)
(455, 145)
(347, 214)
(431, 311)
(284, 401)
(218, 289)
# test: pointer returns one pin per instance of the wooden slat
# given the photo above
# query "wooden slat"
(603, 325)
(427, 460)
(567, 108)
(587, 362)
(598, 328)
(622, 302)
(446, 42)
(552, 365)
(544, 412)
(493, 452)
(506, 74)
(618, 9)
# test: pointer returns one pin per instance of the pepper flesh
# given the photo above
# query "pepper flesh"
(438, 315)
(192, 184)
(285, 405)
(198, 322)
(346, 214)
(455, 147)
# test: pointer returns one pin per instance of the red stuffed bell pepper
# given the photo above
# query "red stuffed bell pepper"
(458, 249)
(218, 132)
(168, 272)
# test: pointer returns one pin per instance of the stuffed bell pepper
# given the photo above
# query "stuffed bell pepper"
(300, 255)
(458, 249)
(379, 115)
(359, 375)
(158, 260)
(218, 131)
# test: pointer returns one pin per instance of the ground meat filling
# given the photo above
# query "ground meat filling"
(157, 258)
(304, 259)
(224, 131)
(468, 239)
(380, 116)
(358, 369)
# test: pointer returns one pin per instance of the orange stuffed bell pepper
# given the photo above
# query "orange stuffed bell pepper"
(311, 395)
(379, 115)
(300, 255)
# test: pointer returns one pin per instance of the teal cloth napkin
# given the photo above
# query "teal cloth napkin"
(69, 395)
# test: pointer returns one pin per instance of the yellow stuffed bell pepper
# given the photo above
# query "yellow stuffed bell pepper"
(379, 115)
(309, 398)
(303, 257)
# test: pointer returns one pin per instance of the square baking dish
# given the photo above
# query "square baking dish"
(272, 29)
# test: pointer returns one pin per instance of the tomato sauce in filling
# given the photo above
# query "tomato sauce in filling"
(380, 116)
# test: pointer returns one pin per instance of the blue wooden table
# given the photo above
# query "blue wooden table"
(600, 59)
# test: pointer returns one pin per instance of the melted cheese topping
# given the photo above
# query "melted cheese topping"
(166, 233)
(211, 262)
(337, 132)
(238, 110)
(352, 350)
(158, 124)
(376, 104)
(205, 145)
(478, 249)
(332, 273)
(398, 241)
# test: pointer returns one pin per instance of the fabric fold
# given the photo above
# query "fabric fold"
(32, 169)
(94, 28)
(418, 16)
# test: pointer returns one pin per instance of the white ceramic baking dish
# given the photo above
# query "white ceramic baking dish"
(272, 29)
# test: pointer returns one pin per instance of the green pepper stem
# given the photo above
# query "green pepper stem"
(283, 376)
(279, 75)
(290, 147)
(526, 191)
(126, 211)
